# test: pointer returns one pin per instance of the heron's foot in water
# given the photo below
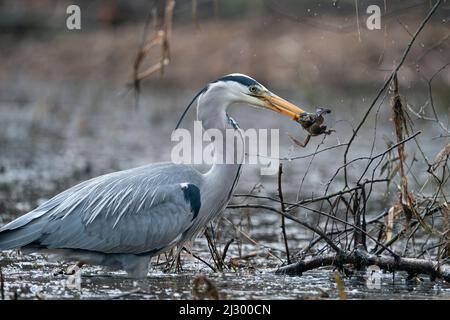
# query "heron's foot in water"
(71, 270)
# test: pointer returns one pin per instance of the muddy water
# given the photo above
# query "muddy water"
(61, 139)
(35, 278)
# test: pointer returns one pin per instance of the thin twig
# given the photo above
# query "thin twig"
(283, 209)
(225, 249)
(200, 259)
(291, 217)
(386, 84)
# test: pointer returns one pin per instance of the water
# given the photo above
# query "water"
(33, 278)
(46, 149)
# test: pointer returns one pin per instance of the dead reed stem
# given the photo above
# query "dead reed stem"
(283, 209)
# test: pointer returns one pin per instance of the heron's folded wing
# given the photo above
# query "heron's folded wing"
(133, 221)
(136, 212)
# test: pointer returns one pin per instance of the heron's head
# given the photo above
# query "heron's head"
(239, 88)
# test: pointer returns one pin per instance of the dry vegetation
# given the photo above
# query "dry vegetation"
(411, 235)
(357, 241)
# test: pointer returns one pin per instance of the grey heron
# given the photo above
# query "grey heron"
(124, 218)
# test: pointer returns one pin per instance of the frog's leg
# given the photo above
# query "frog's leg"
(298, 143)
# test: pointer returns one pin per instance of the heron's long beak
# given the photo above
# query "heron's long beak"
(278, 104)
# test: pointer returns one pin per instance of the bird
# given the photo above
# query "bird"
(122, 219)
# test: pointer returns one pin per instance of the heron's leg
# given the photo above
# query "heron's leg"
(74, 268)
(169, 260)
(298, 143)
(178, 264)
(70, 270)
(174, 262)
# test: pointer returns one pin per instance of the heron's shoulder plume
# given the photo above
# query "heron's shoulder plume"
(233, 122)
(239, 78)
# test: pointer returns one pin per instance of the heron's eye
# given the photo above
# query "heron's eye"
(253, 89)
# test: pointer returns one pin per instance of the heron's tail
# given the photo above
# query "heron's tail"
(22, 231)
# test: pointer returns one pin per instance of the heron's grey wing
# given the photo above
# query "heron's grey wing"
(135, 211)
(136, 226)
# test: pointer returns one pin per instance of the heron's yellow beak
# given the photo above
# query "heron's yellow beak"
(278, 104)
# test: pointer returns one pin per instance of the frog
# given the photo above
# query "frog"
(313, 124)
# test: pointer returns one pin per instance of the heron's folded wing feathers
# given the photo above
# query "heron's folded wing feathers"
(127, 212)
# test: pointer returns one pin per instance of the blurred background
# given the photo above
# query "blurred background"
(69, 109)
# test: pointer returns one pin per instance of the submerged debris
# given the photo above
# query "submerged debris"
(204, 288)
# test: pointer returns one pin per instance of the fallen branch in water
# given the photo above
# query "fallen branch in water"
(364, 259)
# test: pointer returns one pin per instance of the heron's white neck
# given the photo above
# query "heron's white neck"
(214, 118)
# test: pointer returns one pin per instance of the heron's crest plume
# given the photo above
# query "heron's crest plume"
(189, 106)
(236, 77)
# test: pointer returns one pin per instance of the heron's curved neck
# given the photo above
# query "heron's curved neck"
(228, 146)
